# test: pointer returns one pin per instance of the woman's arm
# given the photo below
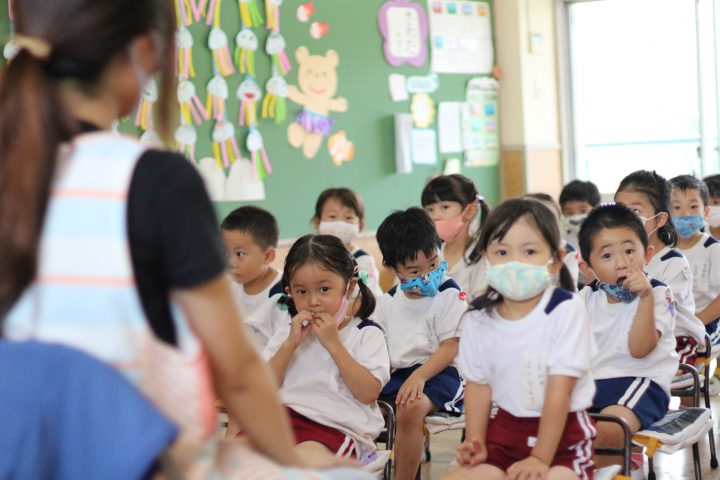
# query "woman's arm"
(241, 378)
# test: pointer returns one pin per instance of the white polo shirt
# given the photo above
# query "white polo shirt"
(258, 309)
(611, 323)
(415, 328)
(704, 259)
(471, 277)
(515, 357)
(314, 388)
(671, 268)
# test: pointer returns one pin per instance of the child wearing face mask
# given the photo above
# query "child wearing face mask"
(633, 322)
(420, 317)
(577, 199)
(648, 195)
(453, 203)
(527, 346)
(690, 208)
(340, 212)
(570, 255)
(713, 185)
(331, 366)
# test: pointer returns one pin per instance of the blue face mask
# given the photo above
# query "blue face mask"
(688, 225)
(426, 285)
(617, 291)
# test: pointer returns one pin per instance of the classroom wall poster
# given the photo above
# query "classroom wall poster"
(460, 36)
(480, 123)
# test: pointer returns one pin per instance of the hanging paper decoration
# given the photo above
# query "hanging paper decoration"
(341, 149)
(213, 13)
(272, 12)
(11, 50)
(275, 47)
(246, 44)
(144, 116)
(225, 147)
(191, 109)
(184, 42)
(276, 91)
(218, 43)
(305, 11)
(186, 137)
(198, 9)
(185, 12)
(249, 94)
(250, 13)
(151, 138)
(256, 147)
(319, 29)
(217, 95)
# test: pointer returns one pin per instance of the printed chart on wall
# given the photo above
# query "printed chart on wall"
(480, 123)
(461, 36)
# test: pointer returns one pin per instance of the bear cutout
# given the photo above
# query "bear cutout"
(317, 84)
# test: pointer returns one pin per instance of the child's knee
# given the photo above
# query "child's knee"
(414, 412)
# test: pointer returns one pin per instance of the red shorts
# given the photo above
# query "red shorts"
(686, 348)
(511, 439)
(307, 430)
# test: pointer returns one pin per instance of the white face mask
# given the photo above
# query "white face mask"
(345, 231)
(573, 223)
(714, 217)
(645, 220)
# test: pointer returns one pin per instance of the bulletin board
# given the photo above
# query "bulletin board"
(292, 188)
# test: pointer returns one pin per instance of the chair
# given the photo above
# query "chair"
(689, 425)
(625, 451)
(387, 437)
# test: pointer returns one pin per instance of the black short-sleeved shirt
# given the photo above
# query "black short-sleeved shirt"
(173, 233)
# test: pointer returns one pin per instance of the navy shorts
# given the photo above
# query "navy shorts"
(445, 390)
(645, 398)
(713, 330)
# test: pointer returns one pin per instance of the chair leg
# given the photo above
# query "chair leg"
(417, 474)
(427, 447)
(651, 469)
(696, 461)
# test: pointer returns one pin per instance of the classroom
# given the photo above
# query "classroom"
(335, 240)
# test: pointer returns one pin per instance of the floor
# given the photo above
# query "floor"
(678, 466)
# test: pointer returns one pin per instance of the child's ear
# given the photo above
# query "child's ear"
(351, 287)
(706, 212)
(362, 224)
(316, 223)
(662, 219)
(649, 252)
(558, 263)
(270, 254)
(287, 290)
(470, 212)
(585, 269)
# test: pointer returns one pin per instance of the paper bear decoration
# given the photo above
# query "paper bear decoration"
(317, 85)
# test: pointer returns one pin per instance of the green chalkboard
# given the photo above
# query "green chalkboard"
(292, 188)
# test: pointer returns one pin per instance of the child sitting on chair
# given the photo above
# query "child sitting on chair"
(421, 320)
(633, 322)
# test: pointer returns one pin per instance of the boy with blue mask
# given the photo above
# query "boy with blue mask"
(690, 208)
(421, 319)
(633, 322)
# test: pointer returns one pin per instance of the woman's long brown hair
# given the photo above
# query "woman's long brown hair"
(84, 36)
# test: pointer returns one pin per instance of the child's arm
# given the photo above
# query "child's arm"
(711, 312)
(473, 450)
(413, 387)
(363, 385)
(552, 424)
(298, 332)
(644, 335)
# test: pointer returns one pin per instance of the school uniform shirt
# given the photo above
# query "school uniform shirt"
(366, 262)
(671, 268)
(314, 388)
(611, 324)
(515, 357)
(257, 309)
(415, 327)
(704, 260)
(470, 272)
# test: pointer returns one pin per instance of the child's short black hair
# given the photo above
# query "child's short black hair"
(404, 234)
(609, 216)
(545, 198)
(712, 182)
(658, 192)
(580, 191)
(259, 223)
(345, 196)
(688, 182)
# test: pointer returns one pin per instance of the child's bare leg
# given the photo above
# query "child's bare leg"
(410, 436)
(610, 435)
(561, 473)
(483, 471)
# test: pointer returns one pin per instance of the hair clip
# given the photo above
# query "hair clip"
(479, 198)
